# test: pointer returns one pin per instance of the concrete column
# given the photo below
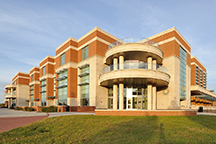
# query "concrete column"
(115, 63)
(121, 96)
(154, 64)
(11, 90)
(154, 94)
(121, 62)
(149, 61)
(9, 103)
(149, 90)
(115, 96)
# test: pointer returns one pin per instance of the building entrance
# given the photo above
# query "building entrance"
(136, 98)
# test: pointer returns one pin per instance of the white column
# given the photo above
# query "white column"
(11, 90)
(9, 103)
(115, 96)
(115, 63)
(149, 87)
(149, 61)
(154, 64)
(121, 62)
(154, 93)
(121, 96)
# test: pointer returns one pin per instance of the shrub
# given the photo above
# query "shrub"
(11, 107)
(18, 108)
(49, 109)
(28, 109)
(25, 108)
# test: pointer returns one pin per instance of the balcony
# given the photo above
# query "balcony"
(10, 95)
(134, 48)
(133, 40)
(134, 73)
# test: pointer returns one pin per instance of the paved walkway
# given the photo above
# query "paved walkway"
(10, 119)
(201, 113)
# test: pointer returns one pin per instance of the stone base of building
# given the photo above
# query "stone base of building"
(146, 112)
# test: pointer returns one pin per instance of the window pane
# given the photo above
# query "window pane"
(85, 53)
(63, 59)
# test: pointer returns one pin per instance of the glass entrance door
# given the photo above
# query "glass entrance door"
(129, 98)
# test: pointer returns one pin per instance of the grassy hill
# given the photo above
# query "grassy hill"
(116, 129)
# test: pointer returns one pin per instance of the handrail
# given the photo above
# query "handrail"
(14, 93)
(133, 65)
(133, 40)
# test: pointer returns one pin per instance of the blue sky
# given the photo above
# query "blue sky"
(32, 29)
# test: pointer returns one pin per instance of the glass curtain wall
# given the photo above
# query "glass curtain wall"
(43, 93)
(32, 95)
(183, 57)
(62, 88)
(84, 85)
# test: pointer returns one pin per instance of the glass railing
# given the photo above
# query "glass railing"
(133, 65)
(133, 40)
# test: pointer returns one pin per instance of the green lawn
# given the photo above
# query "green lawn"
(116, 129)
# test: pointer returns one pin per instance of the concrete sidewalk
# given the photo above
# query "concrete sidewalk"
(201, 113)
(5, 112)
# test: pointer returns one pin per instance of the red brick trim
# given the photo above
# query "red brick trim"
(146, 113)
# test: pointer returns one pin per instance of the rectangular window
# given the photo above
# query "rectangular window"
(63, 59)
(32, 100)
(62, 96)
(32, 77)
(84, 79)
(43, 99)
(15, 82)
(43, 73)
(62, 92)
(183, 55)
(85, 53)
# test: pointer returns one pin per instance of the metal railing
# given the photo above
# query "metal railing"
(14, 93)
(133, 65)
(133, 40)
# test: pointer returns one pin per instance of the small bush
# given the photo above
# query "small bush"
(28, 109)
(11, 107)
(25, 108)
(49, 109)
(18, 108)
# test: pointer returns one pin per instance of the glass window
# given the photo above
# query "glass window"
(32, 100)
(62, 74)
(85, 53)
(183, 55)
(43, 73)
(15, 82)
(63, 59)
(43, 99)
(84, 70)
(62, 96)
(43, 82)
(32, 77)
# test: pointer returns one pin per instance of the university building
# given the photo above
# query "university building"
(116, 76)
